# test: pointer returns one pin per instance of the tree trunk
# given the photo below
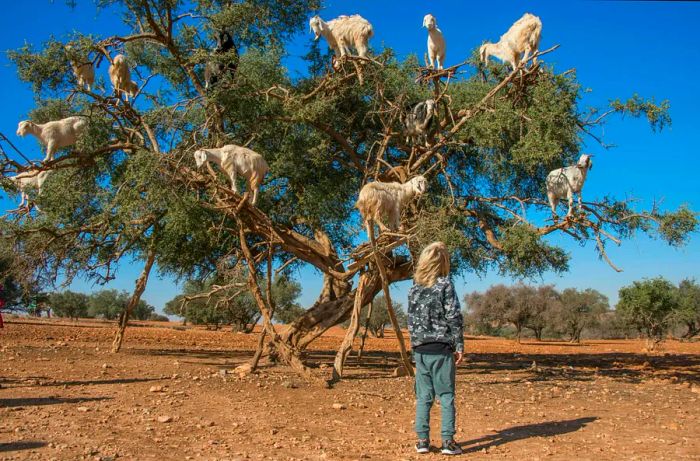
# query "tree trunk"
(364, 334)
(286, 353)
(134, 300)
(692, 330)
(258, 350)
(538, 333)
(346, 345)
(326, 314)
(261, 339)
(390, 309)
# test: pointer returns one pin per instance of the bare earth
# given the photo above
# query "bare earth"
(64, 396)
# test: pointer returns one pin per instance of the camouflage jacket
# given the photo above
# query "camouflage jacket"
(434, 315)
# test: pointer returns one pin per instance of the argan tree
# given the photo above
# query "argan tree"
(688, 314)
(520, 306)
(649, 306)
(69, 304)
(129, 190)
(578, 310)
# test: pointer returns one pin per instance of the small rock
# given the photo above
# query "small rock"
(289, 384)
(339, 406)
(83, 409)
(165, 419)
(399, 372)
(245, 368)
(156, 389)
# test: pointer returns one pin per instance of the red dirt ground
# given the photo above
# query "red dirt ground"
(64, 396)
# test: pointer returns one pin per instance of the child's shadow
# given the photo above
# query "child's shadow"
(512, 434)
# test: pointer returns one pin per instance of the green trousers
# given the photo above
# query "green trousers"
(435, 377)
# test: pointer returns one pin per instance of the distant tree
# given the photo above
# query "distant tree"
(17, 289)
(521, 306)
(107, 304)
(578, 310)
(178, 307)
(649, 306)
(206, 303)
(285, 292)
(155, 317)
(688, 313)
(69, 304)
(379, 318)
(500, 306)
(540, 303)
(478, 318)
(239, 311)
(143, 311)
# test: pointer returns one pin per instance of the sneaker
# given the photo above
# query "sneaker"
(449, 447)
(423, 446)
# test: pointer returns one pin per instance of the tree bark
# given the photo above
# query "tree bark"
(324, 315)
(346, 345)
(390, 309)
(364, 334)
(134, 300)
(286, 353)
(261, 339)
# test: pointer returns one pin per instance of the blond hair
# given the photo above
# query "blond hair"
(434, 262)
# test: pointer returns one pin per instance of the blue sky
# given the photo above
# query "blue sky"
(618, 49)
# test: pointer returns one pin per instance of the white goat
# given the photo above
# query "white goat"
(344, 32)
(85, 73)
(120, 76)
(55, 135)
(83, 69)
(418, 122)
(436, 42)
(235, 160)
(563, 183)
(522, 37)
(29, 178)
(378, 199)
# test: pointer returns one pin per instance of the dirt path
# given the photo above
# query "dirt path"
(168, 396)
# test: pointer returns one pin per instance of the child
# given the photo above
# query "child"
(436, 330)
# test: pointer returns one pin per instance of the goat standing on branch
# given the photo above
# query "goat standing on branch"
(344, 32)
(235, 160)
(120, 76)
(54, 135)
(419, 121)
(214, 70)
(378, 199)
(563, 183)
(82, 67)
(29, 178)
(436, 42)
(522, 37)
